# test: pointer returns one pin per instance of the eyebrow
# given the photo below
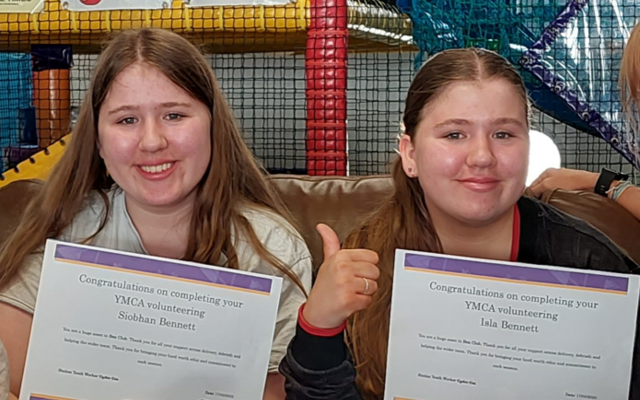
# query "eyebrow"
(163, 105)
(506, 121)
(453, 121)
(499, 121)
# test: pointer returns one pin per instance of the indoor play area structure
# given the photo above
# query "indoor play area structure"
(318, 85)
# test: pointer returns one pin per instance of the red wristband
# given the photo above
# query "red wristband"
(315, 331)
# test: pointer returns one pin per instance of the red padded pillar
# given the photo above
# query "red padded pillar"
(326, 76)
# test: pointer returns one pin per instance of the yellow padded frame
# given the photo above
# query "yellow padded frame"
(38, 166)
(210, 25)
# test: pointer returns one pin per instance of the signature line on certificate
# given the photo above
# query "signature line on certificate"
(556, 285)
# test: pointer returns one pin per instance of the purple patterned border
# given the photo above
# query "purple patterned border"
(161, 267)
(557, 26)
(518, 273)
(531, 61)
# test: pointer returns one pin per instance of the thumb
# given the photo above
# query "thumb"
(330, 241)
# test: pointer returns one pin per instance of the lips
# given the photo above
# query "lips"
(480, 179)
(158, 171)
(155, 169)
(480, 184)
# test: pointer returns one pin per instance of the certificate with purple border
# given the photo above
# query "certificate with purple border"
(465, 328)
(110, 325)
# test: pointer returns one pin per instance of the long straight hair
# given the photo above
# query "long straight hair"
(629, 87)
(233, 179)
(403, 222)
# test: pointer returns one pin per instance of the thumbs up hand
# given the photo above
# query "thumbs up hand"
(346, 281)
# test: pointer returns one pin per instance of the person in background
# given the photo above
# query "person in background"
(608, 183)
(613, 185)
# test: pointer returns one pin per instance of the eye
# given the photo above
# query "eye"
(127, 121)
(174, 116)
(454, 135)
(502, 135)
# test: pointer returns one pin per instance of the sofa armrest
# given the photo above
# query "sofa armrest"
(603, 213)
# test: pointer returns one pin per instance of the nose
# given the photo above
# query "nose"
(153, 137)
(480, 153)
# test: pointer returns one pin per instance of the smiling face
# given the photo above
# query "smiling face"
(154, 138)
(470, 151)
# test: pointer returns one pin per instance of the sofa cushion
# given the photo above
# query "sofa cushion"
(13, 200)
(340, 202)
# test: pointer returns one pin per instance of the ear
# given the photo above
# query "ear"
(102, 156)
(407, 152)
(98, 144)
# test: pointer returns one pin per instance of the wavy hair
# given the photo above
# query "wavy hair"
(233, 179)
(403, 221)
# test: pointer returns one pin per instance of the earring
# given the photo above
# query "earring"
(411, 174)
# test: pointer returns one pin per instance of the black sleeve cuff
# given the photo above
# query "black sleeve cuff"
(318, 353)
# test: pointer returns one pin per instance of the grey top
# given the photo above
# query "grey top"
(119, 233)
(4, 373)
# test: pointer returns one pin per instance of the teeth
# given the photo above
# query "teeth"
(154, 169)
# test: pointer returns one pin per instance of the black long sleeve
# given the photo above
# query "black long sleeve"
(318, 368)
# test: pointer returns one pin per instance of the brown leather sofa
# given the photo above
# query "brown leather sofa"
(341, 202)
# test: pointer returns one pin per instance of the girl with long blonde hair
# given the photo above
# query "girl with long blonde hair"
(156, 165)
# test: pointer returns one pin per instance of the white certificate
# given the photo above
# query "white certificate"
(485, 330)
(110, 325)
